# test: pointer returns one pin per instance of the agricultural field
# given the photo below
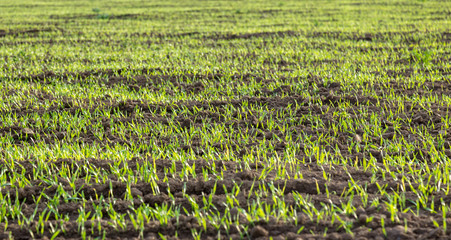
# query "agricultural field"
(225, 119)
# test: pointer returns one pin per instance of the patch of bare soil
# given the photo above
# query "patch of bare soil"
(146, 78)
(104, 16)
(28, 32)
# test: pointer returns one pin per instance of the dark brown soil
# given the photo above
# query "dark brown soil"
(28, 32)
(143, 193)
(316, 98)
(331, 94)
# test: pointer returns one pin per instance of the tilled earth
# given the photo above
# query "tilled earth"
(173, 190)
(208, 134)
(407, 225)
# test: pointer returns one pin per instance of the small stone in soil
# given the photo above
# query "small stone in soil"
(135, 192)
(258, 231)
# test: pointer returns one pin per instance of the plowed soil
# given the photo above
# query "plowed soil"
(322, 192)
(225, 120)
(311, 185)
